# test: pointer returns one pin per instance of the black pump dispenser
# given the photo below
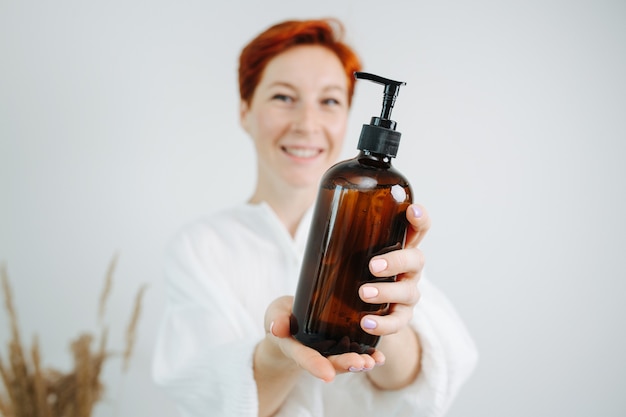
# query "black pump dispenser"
(380, 136)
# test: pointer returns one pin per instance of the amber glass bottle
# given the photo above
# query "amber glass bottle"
(360, 213)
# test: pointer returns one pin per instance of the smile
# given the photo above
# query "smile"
(303, 153)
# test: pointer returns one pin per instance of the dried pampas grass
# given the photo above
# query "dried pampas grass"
(29, 390)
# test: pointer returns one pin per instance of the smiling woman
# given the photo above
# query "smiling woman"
(297, 119)
(225, 345)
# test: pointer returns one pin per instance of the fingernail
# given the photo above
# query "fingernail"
(272, 328)
(354, 369)
(370, 292)
(369, 324)
(417, 212)
(378, 265)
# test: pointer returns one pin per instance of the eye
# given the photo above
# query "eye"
(283, 97)
(331, 101)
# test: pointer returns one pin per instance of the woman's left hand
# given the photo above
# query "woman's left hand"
(403, 294)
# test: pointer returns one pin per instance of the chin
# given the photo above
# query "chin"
(300, 182)
(302, 185)
(304, 177)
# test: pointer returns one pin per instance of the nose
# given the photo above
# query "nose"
(306, 118)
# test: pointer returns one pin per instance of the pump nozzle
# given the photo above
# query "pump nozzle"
(392, 88)
(380, 136)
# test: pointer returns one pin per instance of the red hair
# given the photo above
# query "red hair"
(282, 36)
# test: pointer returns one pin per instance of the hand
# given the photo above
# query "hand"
(326, 368)
(403, 294)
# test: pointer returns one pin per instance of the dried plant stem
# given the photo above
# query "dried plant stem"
(40, 385)
(5, 409)
(17, 381)
(106, 290)
(83, 375)
(5, 404)
(8, 302)
(20, 378)
(131, 330)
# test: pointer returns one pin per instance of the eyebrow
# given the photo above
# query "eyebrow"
(281, 84)
(292, 87)
(336, 87)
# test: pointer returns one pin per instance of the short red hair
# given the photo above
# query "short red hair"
(282, 36)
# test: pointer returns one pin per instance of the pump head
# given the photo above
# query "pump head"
(380, 136)
(392, 88)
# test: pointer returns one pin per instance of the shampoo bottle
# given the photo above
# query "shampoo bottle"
(360, 213)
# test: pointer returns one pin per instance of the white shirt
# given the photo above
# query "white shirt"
(223, 272)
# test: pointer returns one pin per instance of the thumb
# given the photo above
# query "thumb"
(277, 317)
(280, 327)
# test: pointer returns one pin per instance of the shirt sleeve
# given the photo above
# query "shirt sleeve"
(449, 354)
(204, 351)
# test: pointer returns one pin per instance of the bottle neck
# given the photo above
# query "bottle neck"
(377, 160)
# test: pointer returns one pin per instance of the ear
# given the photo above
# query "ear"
(244, 110)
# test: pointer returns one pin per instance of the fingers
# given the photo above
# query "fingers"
(401, 295)
(402, 261)
(389, 324)
(420, 223)
(354, 362)
(399, 292)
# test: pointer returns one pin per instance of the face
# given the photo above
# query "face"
(297, 117)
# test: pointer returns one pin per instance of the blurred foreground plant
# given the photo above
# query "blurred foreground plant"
(29, 390)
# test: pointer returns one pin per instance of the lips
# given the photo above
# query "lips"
(301, 152)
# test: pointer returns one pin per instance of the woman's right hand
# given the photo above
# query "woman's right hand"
(278, 334)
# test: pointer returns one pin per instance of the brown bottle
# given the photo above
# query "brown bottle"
(360, 213)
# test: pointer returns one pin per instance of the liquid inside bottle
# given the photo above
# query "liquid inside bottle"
(360, 213)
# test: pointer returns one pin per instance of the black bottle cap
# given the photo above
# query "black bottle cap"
(380, 136)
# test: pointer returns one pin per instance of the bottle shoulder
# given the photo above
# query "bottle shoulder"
(366, 172)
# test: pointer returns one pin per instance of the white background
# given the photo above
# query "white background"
(118, 124)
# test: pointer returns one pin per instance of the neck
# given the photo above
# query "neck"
(289, 203)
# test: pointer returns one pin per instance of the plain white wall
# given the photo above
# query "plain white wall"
(118, 124)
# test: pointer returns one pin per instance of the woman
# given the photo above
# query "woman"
(225, 346)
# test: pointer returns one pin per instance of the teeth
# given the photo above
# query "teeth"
(302, 152)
